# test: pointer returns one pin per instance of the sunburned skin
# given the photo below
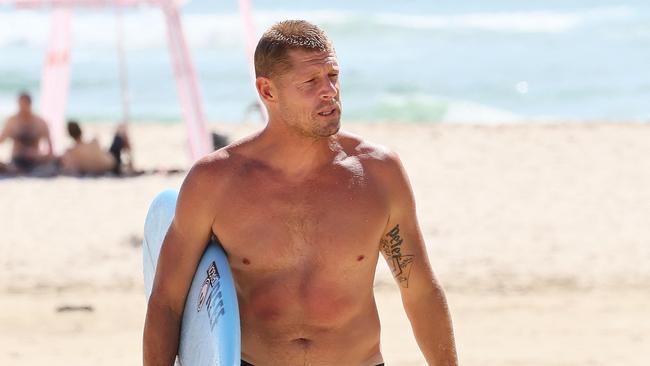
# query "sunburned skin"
(303, 211)
(304, 254)
(26, 132)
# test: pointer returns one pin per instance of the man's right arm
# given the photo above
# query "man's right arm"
(6, 130)
(181, 251)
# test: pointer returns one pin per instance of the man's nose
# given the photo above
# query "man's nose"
(329, 90)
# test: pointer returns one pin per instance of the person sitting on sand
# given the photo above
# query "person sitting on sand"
(89, 158)
(27, 130)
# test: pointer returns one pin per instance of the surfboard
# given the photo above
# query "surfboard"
(210, 332)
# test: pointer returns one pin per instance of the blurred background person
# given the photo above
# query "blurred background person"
(88, 158)
(27, 131)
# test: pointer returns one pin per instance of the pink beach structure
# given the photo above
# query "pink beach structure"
(56, 69)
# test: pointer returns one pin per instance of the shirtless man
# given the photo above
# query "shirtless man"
(303, 211)
(27, 130)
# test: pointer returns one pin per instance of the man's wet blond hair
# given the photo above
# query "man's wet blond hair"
(272, 52)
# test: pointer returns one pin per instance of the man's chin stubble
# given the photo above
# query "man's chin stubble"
(330, 129)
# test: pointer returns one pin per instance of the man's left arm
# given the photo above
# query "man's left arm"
(405, 252)
(46, 134)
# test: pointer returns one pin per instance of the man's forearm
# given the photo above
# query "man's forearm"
(161, 331)
(431, 323)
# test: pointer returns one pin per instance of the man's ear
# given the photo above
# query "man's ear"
(266, 89)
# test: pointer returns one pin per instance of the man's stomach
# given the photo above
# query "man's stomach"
(27, 152)
(298, 321)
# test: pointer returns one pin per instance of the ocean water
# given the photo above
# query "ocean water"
(423, 61)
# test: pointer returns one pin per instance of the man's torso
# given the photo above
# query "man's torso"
(304, 254)
(27, 132)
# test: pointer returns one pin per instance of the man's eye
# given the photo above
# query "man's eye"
(310, 80)
(334, 75)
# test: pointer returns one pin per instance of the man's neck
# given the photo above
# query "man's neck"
(296, 154)
(23, 115)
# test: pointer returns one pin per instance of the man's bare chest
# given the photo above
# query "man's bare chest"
(277, 224)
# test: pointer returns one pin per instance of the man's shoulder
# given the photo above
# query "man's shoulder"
(366, 150)
(10, 121)
(214, 175)
(40, 123)
(219, 164)
(213, 163)
(40, 120)
(380, 163)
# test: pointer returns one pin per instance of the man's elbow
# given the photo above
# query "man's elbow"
(159, 303)
(431, 293)
(161, 332)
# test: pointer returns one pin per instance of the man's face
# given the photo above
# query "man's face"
(309, 93)
(24, 104)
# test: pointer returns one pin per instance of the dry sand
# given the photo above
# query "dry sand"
(539, 233)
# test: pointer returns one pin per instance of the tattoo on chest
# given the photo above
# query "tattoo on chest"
(400, 263)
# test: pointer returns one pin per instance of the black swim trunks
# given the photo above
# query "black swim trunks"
(24, 164)
(244, 363)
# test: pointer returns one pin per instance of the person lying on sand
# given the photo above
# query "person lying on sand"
(88, 158)
(27, 131)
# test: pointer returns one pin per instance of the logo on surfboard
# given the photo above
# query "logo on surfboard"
(213, 276)
(211, 296)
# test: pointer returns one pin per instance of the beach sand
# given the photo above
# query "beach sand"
(538, 232)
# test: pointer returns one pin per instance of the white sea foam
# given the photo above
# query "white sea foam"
(430, 108)
(517, 22)
(98, 29)
(469, 112)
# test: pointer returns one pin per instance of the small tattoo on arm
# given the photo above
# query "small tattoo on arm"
(400, 264)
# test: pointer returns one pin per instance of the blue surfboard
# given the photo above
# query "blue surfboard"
(210, 333)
